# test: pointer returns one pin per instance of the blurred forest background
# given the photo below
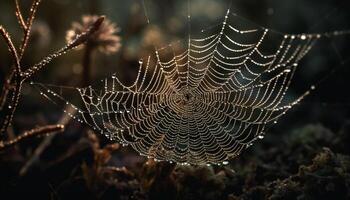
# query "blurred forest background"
(305, 155)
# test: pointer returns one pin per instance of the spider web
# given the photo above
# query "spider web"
(203, 102)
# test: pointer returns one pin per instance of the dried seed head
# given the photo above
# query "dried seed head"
(105, 38)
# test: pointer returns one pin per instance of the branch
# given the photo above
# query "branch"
(20, 17)
(80, 39)
(11, 48)
(5, 89)
(45, 143)
(29, 24)
(18, 81)
(41, 131)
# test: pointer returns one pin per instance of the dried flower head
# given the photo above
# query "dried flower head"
(104, 39)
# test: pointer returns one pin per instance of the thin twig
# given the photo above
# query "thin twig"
(45, 130)
(29, 24)
(45, 143)
(18, 79)
(12, 48)
(6, 88)
(12, 105)
(20, 17)
(80, 39)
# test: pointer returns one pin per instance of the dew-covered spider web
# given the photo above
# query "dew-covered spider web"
(199, 101)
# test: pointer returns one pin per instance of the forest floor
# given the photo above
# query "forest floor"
(311, 162)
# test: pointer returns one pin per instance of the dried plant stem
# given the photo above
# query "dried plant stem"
(12, 87)
(45, 143)
(26, 26)
(11, 48)
(29, 24)
(17, 78)
(45, 130)
(5, 90)
(13, 104)
(20, 16)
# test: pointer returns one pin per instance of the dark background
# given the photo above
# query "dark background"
(327, 66)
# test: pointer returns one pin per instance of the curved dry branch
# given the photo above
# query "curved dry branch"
(36, 132)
